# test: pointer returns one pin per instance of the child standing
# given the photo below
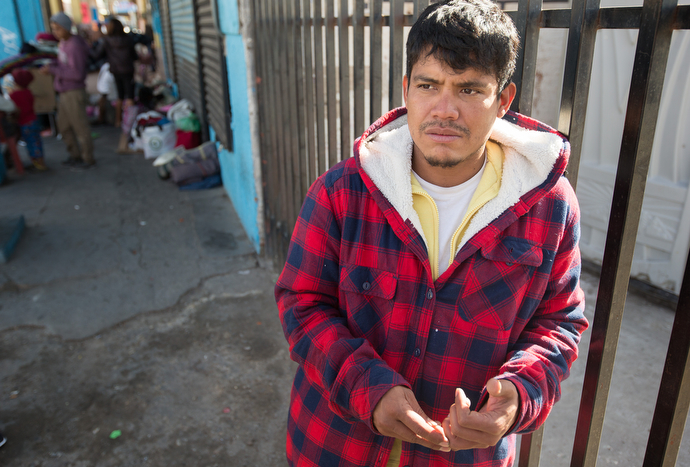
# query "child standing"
(28, 123)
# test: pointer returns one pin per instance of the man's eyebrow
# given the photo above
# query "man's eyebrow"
(425, 79)
(461, 84)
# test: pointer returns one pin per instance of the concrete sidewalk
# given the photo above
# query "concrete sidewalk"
(129, 305)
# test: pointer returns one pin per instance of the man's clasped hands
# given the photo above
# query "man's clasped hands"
(399, 415)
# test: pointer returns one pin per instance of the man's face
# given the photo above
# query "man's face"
(59, 32)
(451, 115)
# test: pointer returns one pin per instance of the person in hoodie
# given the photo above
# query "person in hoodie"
(118, 49)
(431, 290)
(69, 71)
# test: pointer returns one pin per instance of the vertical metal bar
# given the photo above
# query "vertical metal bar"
(376, 65)
(321, 156)
(293, 122)
(299, 110)
(649, 67)
(288, 155)
(358, 71)
(395, 74)
(275, 41)
(578, 69)
(332, 105)
(530, 448)
(344, 68)
(307, 28)
(527, 23)
(268, 171)
(419, 6)
(674, 392)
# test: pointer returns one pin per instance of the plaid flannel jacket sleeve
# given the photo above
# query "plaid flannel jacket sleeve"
(347, 370)
(548, 345)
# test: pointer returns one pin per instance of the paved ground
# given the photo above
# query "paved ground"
(129, 305)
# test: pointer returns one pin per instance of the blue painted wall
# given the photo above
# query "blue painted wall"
(15, 30)
(237, 166)
(158, 32)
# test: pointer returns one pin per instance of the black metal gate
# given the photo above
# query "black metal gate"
(319, 87)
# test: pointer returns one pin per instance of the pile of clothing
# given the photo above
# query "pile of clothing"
(40, 51)
(191, 169)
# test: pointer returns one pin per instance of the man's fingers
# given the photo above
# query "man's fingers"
(425, 428)
(399, 415)
(477, 429)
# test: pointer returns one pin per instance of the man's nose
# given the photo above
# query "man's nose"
(445, 108)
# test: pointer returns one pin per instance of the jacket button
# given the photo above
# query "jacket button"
(366, 286)
(429, 294)
(417, 352)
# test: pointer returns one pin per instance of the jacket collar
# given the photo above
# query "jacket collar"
(535, 156)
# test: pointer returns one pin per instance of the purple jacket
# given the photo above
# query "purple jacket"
(72, 64)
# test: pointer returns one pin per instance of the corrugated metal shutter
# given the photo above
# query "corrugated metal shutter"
(167, 39)
(185, 57)
(214, 71)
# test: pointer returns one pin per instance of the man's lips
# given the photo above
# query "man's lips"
(442, 135)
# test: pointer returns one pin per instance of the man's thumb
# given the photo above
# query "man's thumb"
(494, 387)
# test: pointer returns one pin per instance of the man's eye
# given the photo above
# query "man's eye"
(468, 91)
(424, 86)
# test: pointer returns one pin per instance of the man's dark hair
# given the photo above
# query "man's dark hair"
(466, 34)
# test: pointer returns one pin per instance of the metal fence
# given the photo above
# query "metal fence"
(328, 68)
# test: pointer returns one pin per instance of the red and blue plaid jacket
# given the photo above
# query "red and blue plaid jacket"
(362, 314)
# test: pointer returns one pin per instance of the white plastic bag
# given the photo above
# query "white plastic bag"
(158, 139)
(154, 138)
(180, 109)
(106, 83)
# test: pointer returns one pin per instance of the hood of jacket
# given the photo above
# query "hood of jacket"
(535, 158)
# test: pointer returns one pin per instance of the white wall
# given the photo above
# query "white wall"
(664, 232)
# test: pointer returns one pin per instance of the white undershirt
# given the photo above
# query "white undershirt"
(452, 204)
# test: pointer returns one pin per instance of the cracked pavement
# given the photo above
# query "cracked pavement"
(129, 305)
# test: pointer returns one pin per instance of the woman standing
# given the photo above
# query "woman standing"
(118, 49)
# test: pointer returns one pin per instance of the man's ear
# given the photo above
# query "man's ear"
(505, 98)
(404, 84)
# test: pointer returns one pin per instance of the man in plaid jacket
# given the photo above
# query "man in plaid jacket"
(431, 292)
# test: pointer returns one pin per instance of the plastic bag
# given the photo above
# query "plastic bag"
(154, 134)
(181, 109)
(158, 139)
(188, 123)
(106, 83)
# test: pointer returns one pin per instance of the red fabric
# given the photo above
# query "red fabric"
(188, 139)
(22, 77)
(45, 37)
(362, 314)
(24, 100)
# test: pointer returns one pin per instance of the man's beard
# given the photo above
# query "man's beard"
(441, 163)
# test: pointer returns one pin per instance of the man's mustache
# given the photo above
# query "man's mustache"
(440, 124)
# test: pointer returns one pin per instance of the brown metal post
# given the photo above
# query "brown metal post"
(653, 44)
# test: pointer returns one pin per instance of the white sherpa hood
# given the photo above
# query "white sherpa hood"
(386, 157)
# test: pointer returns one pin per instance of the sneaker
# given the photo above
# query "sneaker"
(3, 440)
(39, 165)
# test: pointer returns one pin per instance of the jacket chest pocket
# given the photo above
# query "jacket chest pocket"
(499, 282)
(366, 295)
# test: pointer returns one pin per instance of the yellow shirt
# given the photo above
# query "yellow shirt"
(426, 208)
